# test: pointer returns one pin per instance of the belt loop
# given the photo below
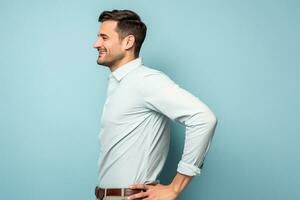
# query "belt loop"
(105, 192)
(122, 193)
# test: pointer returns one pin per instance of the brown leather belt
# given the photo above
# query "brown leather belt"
(100, 192)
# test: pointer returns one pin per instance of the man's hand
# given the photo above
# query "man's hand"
(154, 192)
(162, 192)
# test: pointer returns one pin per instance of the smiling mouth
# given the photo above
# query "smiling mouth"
(101, 52)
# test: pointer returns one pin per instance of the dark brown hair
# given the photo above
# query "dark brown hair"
(129, 23)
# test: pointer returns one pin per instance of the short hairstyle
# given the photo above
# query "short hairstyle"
(129, 23)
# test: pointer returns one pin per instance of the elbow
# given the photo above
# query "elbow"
(215, 120)
(212, 120)
(202, 119)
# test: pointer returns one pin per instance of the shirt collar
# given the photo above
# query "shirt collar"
(123, 70)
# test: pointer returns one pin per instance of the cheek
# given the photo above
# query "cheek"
(109, 45)
(123, 45)
(113, 45)
(116, 47)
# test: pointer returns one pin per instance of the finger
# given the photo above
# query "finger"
(138, 186)
(138, 195)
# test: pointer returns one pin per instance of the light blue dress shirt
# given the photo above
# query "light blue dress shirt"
(135, 126)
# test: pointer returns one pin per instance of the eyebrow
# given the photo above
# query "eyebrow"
(102, 35)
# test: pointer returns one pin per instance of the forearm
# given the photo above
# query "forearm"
(180, 181)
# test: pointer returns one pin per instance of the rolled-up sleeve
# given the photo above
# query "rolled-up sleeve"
(163, 95)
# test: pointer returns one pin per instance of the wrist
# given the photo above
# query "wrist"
(175, 188)
(179, 182)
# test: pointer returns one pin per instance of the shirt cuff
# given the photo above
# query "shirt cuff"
(188, 169)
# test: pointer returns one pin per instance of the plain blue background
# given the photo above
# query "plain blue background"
(240, 57)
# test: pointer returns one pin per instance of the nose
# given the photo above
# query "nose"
(98, 43)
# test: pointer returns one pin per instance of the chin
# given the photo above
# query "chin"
(100, 62)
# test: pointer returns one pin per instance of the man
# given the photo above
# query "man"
(135, 126)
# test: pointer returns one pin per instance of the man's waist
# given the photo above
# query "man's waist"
(123, 192)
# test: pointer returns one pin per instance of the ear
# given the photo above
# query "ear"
(128, 42)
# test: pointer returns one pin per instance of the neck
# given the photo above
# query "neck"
(125, 60)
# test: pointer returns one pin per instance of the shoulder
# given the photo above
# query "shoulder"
(148, 75)
(151, 81)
